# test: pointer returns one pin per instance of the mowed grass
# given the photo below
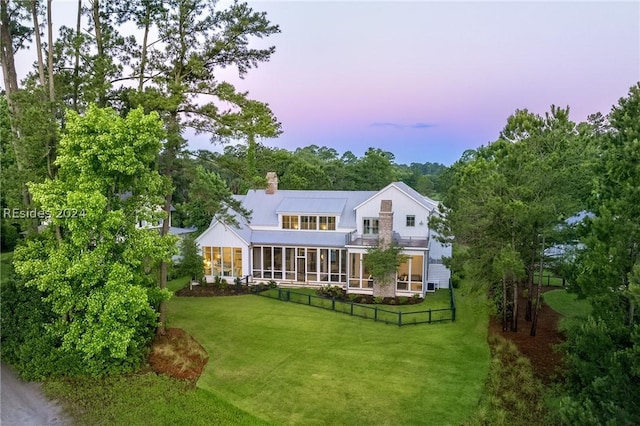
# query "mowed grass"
(567, 303)
(142, 399)
(294, 364)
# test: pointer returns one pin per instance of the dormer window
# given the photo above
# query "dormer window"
(309, 223)
(327, 223)
(290, 222)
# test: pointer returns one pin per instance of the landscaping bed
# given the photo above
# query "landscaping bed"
(540, 350)
(222, 288)
(340, 294)
(178, 355)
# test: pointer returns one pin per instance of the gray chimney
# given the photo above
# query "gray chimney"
(385, 224)
(272, 183)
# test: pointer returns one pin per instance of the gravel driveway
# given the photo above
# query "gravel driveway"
(23, 404)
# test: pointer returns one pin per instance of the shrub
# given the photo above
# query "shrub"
(331, 291)
(402, 300)
(272, 284)
(238, 283)
(220, 283)
(378, 300)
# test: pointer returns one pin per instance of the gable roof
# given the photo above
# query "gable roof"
(425, 202)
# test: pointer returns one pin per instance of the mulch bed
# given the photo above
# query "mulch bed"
(211, 290)
(539, 349)
(191, 363)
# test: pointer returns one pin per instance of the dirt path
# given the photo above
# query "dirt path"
(23, 404)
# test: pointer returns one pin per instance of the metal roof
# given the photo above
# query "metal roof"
(313, 205)
(299, 238)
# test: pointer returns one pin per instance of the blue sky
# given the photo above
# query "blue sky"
(428, 80)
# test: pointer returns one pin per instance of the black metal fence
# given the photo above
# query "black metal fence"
(549, 280)
(375, 312)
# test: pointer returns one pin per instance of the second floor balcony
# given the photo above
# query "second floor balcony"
(369, 240)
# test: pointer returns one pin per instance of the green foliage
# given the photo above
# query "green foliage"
(220, 283)
(603, 373)
(507, 195)
(209, 197)
(383, 262)
(92, 270)
(602, 353)
(192, 263)
(331, 291)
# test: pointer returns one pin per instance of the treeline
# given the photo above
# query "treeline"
(311, 167)
(550, 182)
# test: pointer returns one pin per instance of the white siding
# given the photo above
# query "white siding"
(437, 272)
(222, 236)
(402, 205)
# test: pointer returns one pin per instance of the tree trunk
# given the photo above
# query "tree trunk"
(76, 65)
(504, 304)
(514, 315)
(383, 288)
(162, 309)
(99, 66)
(145, 38)
(536, 312)
(527, 313)
(36, 28)
(52, 92)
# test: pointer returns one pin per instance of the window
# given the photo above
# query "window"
(289, 222)
(411, 220)
(308, 222)
(327, 223)
(370, 226)
(222, 261)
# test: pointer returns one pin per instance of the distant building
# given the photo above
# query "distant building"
(319, 238)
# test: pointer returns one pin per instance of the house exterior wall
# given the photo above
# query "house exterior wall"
(426, 264)
(403, 205)
(222, 236)
(437, 272)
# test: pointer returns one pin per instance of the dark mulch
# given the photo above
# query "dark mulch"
(211, 290)
(540, 349)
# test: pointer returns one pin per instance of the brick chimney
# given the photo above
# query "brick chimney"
(385, 224)
(272, 183)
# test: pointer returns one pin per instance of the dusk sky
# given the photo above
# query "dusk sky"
(428, 80)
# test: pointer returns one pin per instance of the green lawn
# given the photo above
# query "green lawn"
(177, 284)
(294, 364)
(567, 303)
(142, 399)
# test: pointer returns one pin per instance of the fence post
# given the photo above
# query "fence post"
(309, 297)
(288, 293)
(429, 316)
(399, 318)
(351, 308)
(375, 313)
(333, 303)
(279, 293)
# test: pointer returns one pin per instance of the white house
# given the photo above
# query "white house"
(316, 238)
